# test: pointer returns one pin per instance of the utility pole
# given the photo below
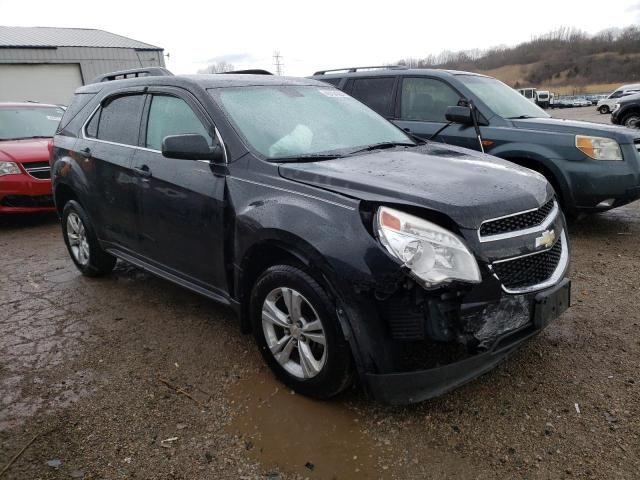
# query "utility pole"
(277, 62)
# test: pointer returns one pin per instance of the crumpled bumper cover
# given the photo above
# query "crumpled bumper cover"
(415, 386)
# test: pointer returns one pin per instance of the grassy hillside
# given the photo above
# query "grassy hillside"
(564, 61)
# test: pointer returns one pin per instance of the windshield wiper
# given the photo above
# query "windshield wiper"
(521, 117)
(381, 145)
(307, 157)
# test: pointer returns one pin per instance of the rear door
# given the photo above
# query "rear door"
(423, 102)
(105, 151)
(181, 201)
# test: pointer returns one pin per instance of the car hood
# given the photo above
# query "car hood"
(467, 186)
(25, 151)
(558, 125)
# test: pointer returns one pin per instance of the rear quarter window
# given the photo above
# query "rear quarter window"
(376, 93)
(80, 100)
(331, 81)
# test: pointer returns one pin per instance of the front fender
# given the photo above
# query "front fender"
(531, 155)
(329, 235)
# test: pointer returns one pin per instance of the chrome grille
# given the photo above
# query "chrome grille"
(523, 272)
(39, 170)
(519, 221)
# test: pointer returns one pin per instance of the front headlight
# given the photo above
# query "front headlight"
(616, 107)
(599, 148)
(9, 168)
(433, 254)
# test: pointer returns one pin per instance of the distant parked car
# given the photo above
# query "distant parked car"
(562, 102)
(543, 97)
(581, 102)
(528, 93)
(606, 105)
(627, 111)
(26, 130)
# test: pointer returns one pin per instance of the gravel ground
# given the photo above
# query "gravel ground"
(131, 377)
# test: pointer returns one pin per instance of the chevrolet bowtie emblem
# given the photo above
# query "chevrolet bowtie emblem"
(547, 239)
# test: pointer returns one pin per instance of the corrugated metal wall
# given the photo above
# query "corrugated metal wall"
(92, 61)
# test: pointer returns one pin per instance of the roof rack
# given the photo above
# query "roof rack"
(355, 69)
(133, 73)
(251, 71)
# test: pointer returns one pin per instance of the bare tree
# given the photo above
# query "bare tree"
(218, 67)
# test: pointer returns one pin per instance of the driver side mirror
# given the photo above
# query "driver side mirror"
(190, 147)
(459, 114)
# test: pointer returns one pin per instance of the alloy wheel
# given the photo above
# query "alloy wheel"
(294, 333)
(78, 242)
(632, 122)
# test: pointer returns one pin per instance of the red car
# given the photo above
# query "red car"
(26, 130)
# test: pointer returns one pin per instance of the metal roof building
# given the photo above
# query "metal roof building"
(47, 64)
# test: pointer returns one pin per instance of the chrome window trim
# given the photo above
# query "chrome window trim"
(555, 277)
(137, 147)
(518, 233)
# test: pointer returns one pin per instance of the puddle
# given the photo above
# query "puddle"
(297, 435)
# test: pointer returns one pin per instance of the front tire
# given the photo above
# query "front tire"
(298, 333)
(604, 109)
(82, 243)
(632, 120)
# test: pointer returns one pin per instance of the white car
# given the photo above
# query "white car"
(606, 105)
(581, 102)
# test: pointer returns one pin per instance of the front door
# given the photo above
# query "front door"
(423, 103)
(181, 201)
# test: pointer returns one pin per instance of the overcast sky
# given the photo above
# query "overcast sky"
(322, 34)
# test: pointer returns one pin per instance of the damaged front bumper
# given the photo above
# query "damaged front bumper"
(507, 325)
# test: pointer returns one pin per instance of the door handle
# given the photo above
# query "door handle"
(144, 171)
(86, 152)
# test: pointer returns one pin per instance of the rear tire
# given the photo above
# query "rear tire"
(604, 109)
(82, 243)
(298, 333)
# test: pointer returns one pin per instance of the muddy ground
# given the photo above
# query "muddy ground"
(132, 377)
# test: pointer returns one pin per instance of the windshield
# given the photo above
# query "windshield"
(502, 99)
(290, 121)
(28, 122)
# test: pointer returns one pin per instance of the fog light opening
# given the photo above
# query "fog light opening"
(606, 203)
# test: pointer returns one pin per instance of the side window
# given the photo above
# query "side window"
(426, 99)
(377, 93)
(119, 120)
(92, 127)
(171, 116)
(331, 81)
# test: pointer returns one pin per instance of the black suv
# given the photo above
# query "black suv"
(344, 245)
(627, 112)
(592, 167)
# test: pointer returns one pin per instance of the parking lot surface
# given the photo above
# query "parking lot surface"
(589, 114)
(129, 376)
